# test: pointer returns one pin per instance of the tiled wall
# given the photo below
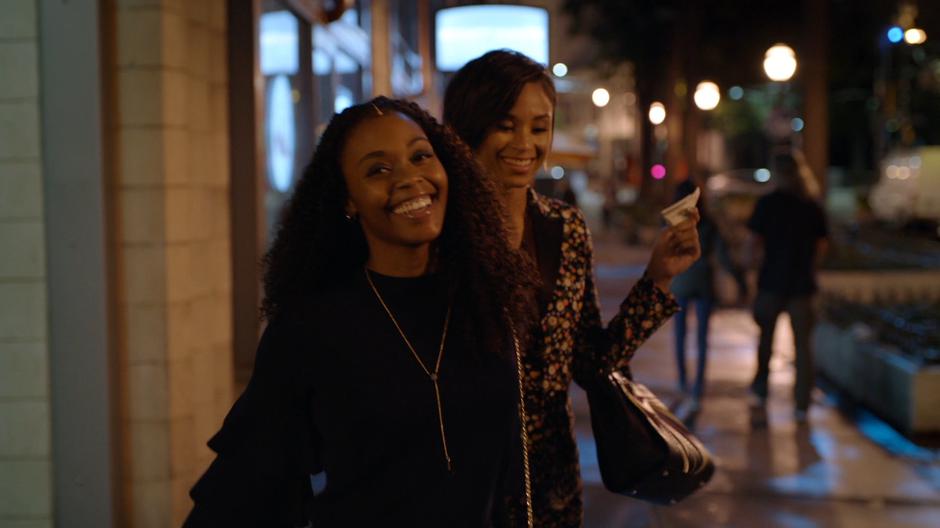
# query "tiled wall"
(173, 257)
(25, 452)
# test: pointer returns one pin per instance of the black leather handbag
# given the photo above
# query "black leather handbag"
(644, 451)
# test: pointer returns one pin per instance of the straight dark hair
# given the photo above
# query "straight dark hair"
(484, 90)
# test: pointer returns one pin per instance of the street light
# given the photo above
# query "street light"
(600, 97)
(895, 34)
(707, 95)
(915, 36)
(657, 113)
(780, 62)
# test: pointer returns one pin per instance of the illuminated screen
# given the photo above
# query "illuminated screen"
(278, 43)
(464, 33)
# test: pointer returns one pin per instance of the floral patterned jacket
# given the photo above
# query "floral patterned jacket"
(571, 343)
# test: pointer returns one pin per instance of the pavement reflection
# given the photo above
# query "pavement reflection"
(772, 471)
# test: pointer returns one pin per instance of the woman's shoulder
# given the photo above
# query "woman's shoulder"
(318, 311)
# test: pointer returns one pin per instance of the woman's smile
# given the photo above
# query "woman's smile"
(519, 165)
(415, 208)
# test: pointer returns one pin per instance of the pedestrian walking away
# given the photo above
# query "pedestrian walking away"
(696, 287)
(789, 228)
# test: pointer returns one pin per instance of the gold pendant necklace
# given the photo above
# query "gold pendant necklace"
(433, 375)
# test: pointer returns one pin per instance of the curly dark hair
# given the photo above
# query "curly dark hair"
(483, 91)
(316, 244)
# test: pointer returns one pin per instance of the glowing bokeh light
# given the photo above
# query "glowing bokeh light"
(658, 171)
(657, 113)
(895, 34)
(707, 95)
(600, 97)
(780, 62)
(736, 93)
(560, 69)
(915, 36)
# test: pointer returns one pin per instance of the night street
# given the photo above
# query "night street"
(822, 474)
(314, 263)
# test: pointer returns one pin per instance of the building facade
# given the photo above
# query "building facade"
(137, 192)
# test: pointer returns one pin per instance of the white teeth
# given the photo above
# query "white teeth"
(412, 205)
(519, 162)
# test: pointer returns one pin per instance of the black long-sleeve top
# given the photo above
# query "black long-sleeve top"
(338, 424)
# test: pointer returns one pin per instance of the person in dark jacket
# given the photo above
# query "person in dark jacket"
(364, 407)
(789, 226)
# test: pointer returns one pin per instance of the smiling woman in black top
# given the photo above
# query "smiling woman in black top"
(384, 390)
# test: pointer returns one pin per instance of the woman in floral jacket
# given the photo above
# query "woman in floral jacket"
(502, 105)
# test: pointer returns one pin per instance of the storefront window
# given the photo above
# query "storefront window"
(407, 79)
(283, 116)
(341, 63)
(296, 109)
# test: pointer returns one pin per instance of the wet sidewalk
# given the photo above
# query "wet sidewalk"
(772, 472)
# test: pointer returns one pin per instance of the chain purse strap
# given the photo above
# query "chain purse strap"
(523, 419)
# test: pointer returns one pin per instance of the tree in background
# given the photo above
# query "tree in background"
(859, 95)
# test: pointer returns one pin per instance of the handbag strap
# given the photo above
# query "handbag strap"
(523, 419)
